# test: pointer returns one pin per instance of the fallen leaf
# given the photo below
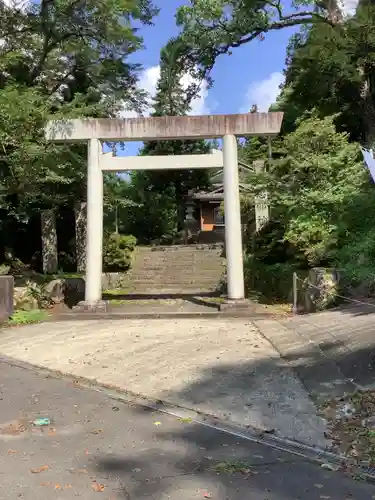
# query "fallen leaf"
(157, 423)
(246, 471)
(331, 467)
(187, 420)
(99, 488)
(43, 468)
(78, 471)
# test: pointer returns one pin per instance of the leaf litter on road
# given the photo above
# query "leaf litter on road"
(351, 422)
(98, 487)
(42, 468)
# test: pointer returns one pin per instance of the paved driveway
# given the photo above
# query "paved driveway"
(100, 448)
(222, 367)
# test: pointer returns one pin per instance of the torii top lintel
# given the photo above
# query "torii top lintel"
(164, 127)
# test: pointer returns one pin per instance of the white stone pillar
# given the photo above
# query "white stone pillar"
(94, 235)
(233, 235)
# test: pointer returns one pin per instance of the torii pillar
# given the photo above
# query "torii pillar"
(96, 131)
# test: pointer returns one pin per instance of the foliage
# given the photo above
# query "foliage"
(61, 59)
(153, 214)
(39, 293)
(117, 251)
(4, 269)
(269, 282)
(27, 317)
(211, 28)
(343, 75)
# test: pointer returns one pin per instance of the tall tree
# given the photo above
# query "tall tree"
(172, 99)
(67, 58)
(60, 59)
(343, 76)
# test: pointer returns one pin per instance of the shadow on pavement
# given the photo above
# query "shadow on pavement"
(194, 462)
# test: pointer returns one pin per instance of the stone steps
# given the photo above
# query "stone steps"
(177, 269)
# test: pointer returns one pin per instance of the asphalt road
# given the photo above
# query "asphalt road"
(99, 448)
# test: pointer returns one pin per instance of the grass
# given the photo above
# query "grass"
(232, 467)
(27, 317)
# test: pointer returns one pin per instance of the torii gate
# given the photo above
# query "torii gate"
(96, 131)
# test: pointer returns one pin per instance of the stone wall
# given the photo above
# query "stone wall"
(70, 290)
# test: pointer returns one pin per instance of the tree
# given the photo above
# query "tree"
(71, 46)
(313, 186)
(60, 59)
(343, 76)
(211, 28)
(172, 99)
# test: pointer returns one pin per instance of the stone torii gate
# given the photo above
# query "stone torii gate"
(96, 131)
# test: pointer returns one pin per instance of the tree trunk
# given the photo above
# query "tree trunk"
(49, 242)
(116, 219)
(368, 108)
(81, 228)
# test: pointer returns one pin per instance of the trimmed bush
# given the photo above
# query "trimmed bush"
(117, 251)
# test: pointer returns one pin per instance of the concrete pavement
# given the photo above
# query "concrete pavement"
(222, 367)
(97, 447)
(332, 352)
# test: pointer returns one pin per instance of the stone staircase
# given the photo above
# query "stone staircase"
(177, 269)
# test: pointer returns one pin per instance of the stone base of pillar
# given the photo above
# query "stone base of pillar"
(97, 306)
(237, 306)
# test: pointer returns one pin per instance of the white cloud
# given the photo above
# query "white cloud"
(148, 82)
(17, 4)
(348, 7)
(263, 93)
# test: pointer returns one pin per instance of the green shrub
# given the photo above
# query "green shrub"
(117, 251)
(27, 317)
(269, 283)
(4, 269)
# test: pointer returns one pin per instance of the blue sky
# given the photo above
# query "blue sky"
(251, 75)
